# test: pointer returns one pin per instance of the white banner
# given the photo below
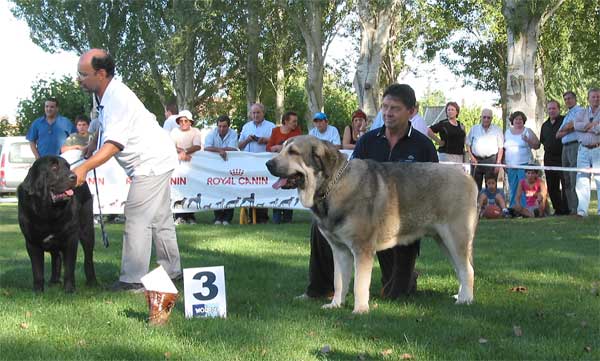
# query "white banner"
(207, 182)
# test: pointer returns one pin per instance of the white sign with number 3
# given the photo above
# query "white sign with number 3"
(204, 292)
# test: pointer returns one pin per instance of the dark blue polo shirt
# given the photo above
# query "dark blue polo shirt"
(413, 147)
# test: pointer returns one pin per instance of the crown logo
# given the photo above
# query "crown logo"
(236, 172)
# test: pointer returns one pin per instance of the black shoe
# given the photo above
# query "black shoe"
(125, 286)
(178, 277)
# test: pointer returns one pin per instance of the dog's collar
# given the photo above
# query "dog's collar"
(335, 179)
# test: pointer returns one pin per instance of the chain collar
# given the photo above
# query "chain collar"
(335, 179)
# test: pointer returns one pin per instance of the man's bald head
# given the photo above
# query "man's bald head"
(99, 59)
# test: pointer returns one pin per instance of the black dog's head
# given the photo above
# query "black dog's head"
(50, 178)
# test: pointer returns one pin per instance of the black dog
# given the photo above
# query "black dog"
(54, 216)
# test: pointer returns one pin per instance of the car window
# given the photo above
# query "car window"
(20, 153)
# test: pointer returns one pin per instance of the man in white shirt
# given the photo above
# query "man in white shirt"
(416, 121)
(485, 144)
(254, 138)
(131, 134)
(257, 131)
(324, 131)
(171, 112)
(221, 140)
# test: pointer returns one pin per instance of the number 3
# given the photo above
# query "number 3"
(209, 284)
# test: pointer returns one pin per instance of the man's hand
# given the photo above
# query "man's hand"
(223, 154)
(81, 174)
(263, 140)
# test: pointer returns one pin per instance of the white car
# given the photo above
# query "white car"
(15, 159)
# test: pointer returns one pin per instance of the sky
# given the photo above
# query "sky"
(23, 62)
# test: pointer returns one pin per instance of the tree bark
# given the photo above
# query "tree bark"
(524, 73)
(313, 38)
(375, 31)
(279, 90)
(252, 57)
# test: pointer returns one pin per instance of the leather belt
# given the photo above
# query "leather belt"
(591, 146)
(571, 142)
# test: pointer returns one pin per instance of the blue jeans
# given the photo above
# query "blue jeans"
(514, 177)
(587, 158)
(282, 215)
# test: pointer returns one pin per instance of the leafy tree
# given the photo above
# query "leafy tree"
(433, 98)
(71, 101)
(7, 129)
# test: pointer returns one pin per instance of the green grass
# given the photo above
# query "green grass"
(556, 259)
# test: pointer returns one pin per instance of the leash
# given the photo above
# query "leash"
(335, 179)
(104, 235)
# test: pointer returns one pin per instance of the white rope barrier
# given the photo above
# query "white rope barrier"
(536, 167)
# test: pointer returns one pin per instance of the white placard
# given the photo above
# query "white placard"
(158, 280)
(204, 292)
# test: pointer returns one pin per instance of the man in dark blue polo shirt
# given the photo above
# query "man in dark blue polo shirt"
(396, 141)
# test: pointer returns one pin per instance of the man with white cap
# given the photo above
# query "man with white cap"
(187, 141)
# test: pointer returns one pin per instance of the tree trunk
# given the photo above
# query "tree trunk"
(279, 90)
(252, 57)
(184, 79)
(375, 32)
(313, 38)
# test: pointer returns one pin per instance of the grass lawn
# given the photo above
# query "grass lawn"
(558, 317)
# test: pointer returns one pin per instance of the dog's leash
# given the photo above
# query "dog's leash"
(104, 235)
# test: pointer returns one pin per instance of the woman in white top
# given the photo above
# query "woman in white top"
(518, 142)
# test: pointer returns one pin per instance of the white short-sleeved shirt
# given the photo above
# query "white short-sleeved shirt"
(261, 130)
(186, 139)
(147, 148)
(213, 139)
(331, 134)
(516, 150)
(485, 143)
(170, 123)
(418, 123)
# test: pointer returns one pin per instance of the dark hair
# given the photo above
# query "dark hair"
(105, 62)
(287, 115)
(224, 118)
(570, 92)
(593, 90)
(489, 176)
(516, 114)
(403, 93)
(553, 101)
(52, 99)
(454, 105)
(82, 118)
(172, 107)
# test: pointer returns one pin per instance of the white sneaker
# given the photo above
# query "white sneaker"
(179, 221)
(225, 223)
(218, 222)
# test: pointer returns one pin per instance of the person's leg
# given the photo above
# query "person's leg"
(569, 159)
(478, 173)
(137, 236)
(277, 215)
(287, 216)
(513, 183)
(262, 215)
(218, 216)
(165, 238)
(320, 268)
(227, 215)
(582, 186)
(595, 157)
(398, 274)
(553, 183)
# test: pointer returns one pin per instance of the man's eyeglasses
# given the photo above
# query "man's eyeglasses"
(485, 117)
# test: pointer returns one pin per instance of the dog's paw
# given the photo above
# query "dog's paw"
(360, 309)
(463, 300)
(331, 305)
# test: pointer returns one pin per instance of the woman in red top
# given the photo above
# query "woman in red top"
(288, 129)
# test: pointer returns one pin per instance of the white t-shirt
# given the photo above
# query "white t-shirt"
(330, 134)
(261, 130)
(170, 123)
(186, 139)
(485, 143)
(418, 123)
(516, 150)
(147, 148)
(213, 139)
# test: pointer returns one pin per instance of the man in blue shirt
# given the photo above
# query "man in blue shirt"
(48, 133)
(395, 141)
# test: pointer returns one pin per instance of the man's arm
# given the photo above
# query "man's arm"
(34, 149)
(102, 156)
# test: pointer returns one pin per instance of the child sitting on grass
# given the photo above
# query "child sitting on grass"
(491, 196)
(536, 195)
